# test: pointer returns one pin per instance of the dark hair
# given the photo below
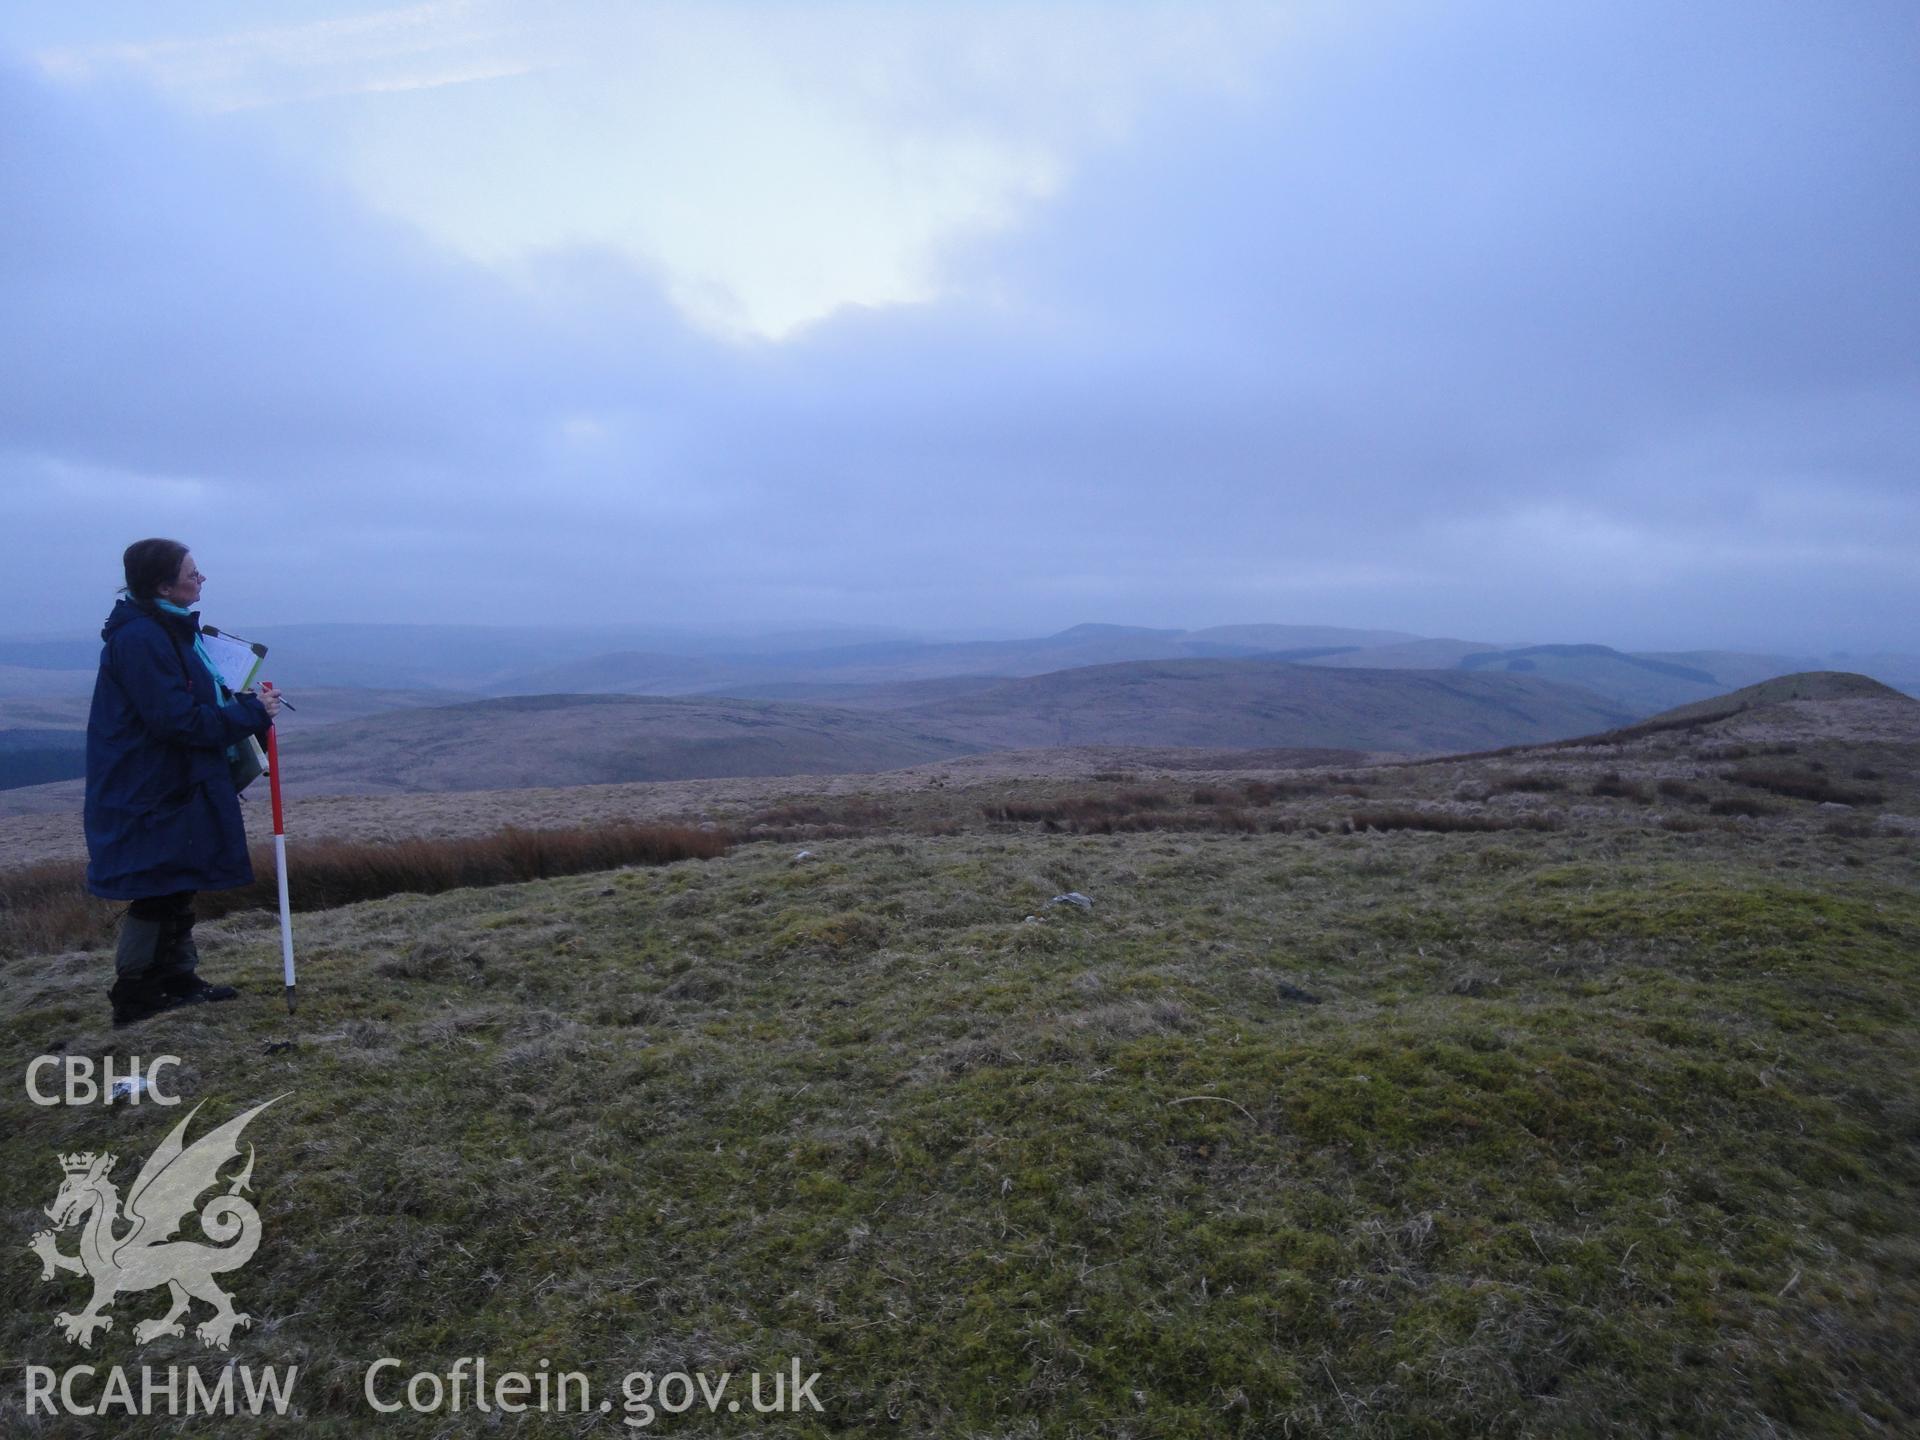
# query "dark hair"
(151, 564)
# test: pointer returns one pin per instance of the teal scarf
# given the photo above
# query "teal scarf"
(220, 686)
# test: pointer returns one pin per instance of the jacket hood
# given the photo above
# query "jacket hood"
(126, 611)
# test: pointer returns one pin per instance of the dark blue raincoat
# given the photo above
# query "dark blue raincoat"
(161, 812)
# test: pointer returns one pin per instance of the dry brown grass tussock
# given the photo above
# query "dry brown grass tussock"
(47, 908)
(1799, 784)
(1444, 820)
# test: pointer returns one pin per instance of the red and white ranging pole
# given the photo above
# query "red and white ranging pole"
(280, 857)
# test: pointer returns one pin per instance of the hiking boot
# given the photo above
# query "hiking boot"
(178, 964)
(136, 993)
(187, 986)
(139, 997)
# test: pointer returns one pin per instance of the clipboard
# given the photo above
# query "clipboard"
(237, 662)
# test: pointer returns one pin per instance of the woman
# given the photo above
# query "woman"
(162, 817)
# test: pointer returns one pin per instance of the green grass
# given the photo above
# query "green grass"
(1603, 1130)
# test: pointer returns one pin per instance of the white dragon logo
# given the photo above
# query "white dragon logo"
(144, 1256)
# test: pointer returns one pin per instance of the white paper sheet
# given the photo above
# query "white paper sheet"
(236, 660)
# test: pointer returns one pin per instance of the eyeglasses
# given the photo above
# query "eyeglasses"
(189, 579)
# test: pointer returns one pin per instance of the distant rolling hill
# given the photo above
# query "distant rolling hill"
(871, 674)
(869, 697)
(821, 705)
(580, 739)
(1267, 703)
(1069, 649)
(541, 740)
(43, 740)
(1637, 683)
(1644, 684)
(624, 672)
(892, 662)
(1403, 655)
(1297, 637)
(42, 682)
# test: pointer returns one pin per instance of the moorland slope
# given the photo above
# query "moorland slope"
(1566, 1091)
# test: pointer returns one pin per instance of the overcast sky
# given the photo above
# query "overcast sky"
(1517, 321)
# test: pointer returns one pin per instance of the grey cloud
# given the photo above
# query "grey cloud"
(1636, 263)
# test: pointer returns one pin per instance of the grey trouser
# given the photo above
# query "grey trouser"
(157, 936)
